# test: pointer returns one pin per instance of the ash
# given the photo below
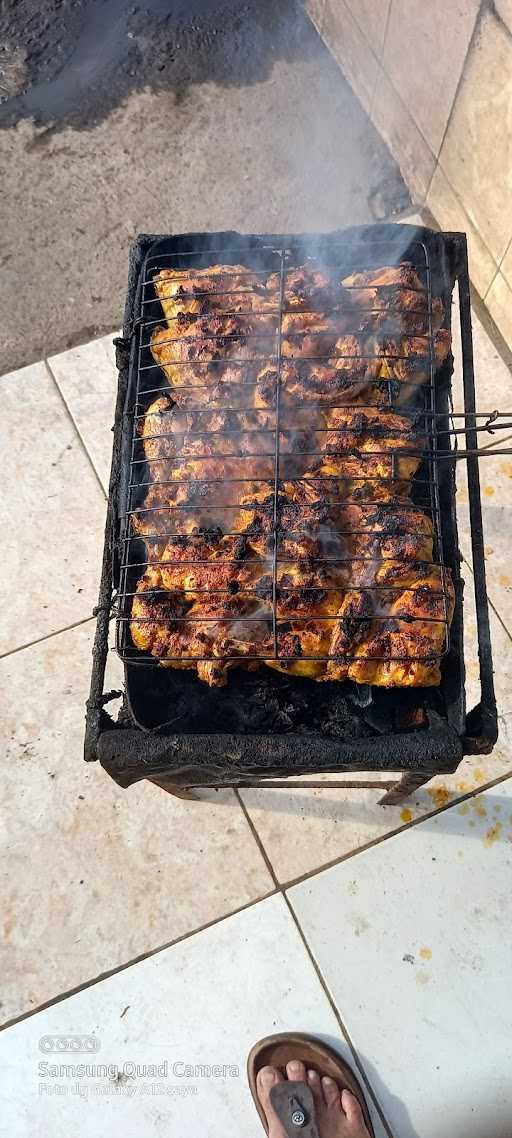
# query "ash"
(273, 704)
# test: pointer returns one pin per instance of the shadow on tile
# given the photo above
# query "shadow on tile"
(390, 1104)
(357, 810)
(488, 820)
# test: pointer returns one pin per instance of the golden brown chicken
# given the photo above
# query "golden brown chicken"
(219, 288)
(394, 638)
(227, 344)
(277, 512)
(211, 634)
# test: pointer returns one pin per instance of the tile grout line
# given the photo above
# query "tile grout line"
(501, 260)
(462, 76)
(49, 635)
(413, 120)
(431, 179)
(317, 26)
(500, 619)
(283, 886)
(473, 222)
(498, 17)
(493, 278)
(257, 839)
(75, 428)
(378, 58)
(491, 605)
(340, 1022)
(107, 975)
(385, 36)
(380, 66)
(281, 889)
(496, 442)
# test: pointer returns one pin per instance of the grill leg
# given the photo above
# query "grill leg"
(407, 785)
(177, 791)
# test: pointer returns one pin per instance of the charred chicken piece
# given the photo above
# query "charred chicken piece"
(394, 299)
(213, 315)
(198, 340)
(170, 435)
(346, 380)
(305, 288)
(154, 618)
(221, 288)
(209, 563)
(403, 648)
(363, 447)
(210, 635)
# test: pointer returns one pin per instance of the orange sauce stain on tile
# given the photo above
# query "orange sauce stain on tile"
(493, 834)
(478, 775)
(462, 786)
(489, 491)
(488, 550)
(506, 468)
(464, 808)
(406, 815)
(426, 953)
(479, 808)
(505, 580)
(439, 795)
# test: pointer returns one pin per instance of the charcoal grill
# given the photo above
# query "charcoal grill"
(173, 729)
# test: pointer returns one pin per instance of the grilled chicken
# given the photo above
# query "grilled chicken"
(298, 533)
(224, 288)
(401, 648)
(196, 634)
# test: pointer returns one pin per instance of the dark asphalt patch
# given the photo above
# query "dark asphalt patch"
(73, 61)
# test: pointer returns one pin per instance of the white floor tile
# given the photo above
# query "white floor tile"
(493, 379)
(501, 644)
(87, 378)
(496, 496)
(91, 875)
(202, 1002)
(413, 941)
(52, 513)
(493, 388)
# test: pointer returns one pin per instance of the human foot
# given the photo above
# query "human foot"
(338, 1115)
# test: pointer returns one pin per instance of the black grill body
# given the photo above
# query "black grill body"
(172, 727)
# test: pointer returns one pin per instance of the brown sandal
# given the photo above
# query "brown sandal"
(293, 1102)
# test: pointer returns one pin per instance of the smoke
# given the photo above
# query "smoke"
(297, 444)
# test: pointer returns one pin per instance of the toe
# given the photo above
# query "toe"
(352, 1110)
(331, 1093)
(296, 1071)
(315, 1087)
(265, 1080)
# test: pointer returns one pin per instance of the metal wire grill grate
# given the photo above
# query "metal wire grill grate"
(421, 497)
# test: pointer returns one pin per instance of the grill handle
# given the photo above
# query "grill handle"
(481, 722)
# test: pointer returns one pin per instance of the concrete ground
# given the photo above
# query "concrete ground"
(278, 143)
